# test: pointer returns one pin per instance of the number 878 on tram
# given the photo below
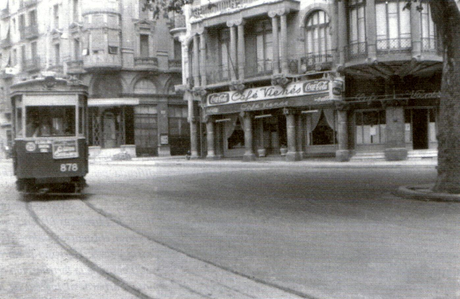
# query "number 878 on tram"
(50, 152)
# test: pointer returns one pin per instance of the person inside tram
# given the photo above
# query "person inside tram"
(45, 127)
(32, 126)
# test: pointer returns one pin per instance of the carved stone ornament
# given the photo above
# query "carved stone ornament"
(237, 86)
(199, 91)
(280, 80)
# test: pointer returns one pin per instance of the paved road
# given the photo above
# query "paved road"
(243, 232)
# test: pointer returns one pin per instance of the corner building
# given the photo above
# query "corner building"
(349, 79)
(126, 56)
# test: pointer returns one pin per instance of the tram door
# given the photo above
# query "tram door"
(110, 136)
(420, 129)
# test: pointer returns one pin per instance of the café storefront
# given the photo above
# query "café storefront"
(298, 120)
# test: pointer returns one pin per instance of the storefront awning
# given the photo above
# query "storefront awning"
(104, 102)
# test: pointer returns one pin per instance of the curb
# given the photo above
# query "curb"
(425, 193)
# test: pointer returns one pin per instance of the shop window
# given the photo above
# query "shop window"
(179, 130)
(236, 139)
(370, 127)
(146, 129)
(394, 29)
(321, 127)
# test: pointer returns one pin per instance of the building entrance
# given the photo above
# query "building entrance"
(420, 129)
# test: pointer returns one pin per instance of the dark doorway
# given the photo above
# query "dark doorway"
(420, 129)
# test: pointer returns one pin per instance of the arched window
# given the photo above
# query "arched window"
(357, 27)
(393, 25)
(145, 86)
(317, 39)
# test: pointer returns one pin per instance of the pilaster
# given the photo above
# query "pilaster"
(248, 137)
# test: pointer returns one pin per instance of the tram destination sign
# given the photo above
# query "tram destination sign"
(295, 89)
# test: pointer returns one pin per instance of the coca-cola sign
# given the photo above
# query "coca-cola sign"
(319, 87)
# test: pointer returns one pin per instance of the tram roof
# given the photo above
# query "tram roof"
(49, 84)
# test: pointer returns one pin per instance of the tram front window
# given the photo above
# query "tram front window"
(50, 121)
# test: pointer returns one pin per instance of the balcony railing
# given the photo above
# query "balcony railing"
(218, 74)
(317, 61)
(261, 67)
(33, 64)
(356, 51)
(394, 45)
(28, 3)
(176, 20)
(218, 6)
(431, 45)
(57, 68)
(6, 43)
(175, 63)
(101, 61)
(4, 13)
(75, 67)
(31, 32)
(146, 61)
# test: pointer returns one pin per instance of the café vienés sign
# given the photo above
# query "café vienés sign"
(270, 97)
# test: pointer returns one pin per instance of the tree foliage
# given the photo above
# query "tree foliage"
(163, 7)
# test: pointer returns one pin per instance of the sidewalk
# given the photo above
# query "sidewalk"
(264, 162)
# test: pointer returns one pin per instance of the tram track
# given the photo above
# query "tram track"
(138, 292)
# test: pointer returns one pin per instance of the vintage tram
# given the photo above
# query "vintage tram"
(50, 151)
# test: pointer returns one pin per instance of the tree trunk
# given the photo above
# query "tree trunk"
(446, 16)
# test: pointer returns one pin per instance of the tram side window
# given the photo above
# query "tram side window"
(50, 121)
(19, 122)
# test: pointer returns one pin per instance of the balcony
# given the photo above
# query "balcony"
(57, 68)
(317, 61)
(28, 3)
(32, 65)
(218, 74)
(4, 13)
(175, 64)
(216, 7)
(5, 75)
(394, 46)
(431, 46)
(6, 43)
(356, 51)
(30, 32)
(101, 61)
(75, 67)
(259, 68)
(146, 62)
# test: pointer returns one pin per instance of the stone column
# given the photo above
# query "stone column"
(210, 138)
(275, 46)
(395, 146)
(241, 50)
(218, 129)
(196, 60)
(343, 152)
(292, 154)
(193, 125)
(371, 32)
(249, 153)
(232, 63)
(284, 44)
(203, 58)
(342, 31)
(415, 32)
(300, 134)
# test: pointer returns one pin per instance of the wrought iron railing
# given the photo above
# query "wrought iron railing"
(261, 67)
(218, 74)
(394, 45)
(175, 63)
(6, 42)
(431, 45)
(356, 51)
(146, 61)
(315, 61)
(31, 31)
(214, 7)
(32, 64)
(4, 13)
